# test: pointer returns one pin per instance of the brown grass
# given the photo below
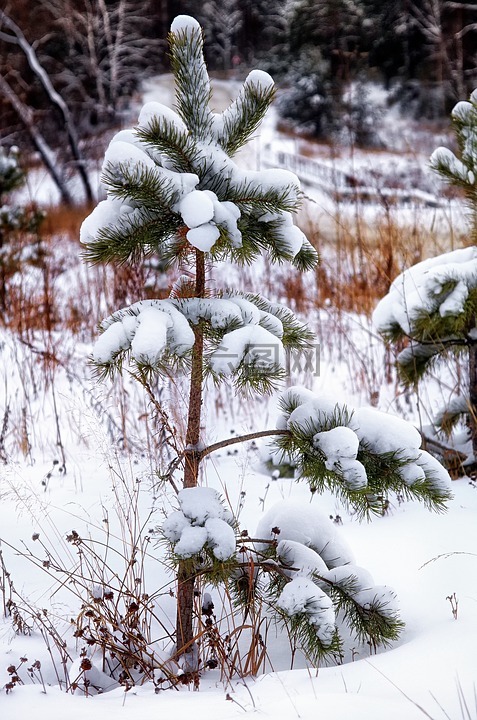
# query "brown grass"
(359, 260)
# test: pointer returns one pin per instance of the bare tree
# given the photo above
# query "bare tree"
(46, 153)
(444, 25)
(17, 37)
(106, 46)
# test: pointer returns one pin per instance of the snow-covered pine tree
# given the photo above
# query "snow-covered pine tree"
(433, 305)
(174, 191)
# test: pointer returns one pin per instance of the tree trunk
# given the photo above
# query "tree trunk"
(186, 580)
(473, 395)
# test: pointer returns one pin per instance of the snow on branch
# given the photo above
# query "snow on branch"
(362, 454)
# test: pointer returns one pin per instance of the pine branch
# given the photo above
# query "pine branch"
(244, 116)
(307, 258)
(241, 439)
(134, 237)
(296, 335)
(146, 187)
(251, 197)
(164, 137)
(193, 92)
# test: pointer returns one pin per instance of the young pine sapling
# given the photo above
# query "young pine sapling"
(173, 191)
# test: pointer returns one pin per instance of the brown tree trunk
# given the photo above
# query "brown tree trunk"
(186, 580)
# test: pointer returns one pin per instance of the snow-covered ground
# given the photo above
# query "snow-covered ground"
(61, 415)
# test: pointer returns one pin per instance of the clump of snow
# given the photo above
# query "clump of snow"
(251, 345)
(204, 237)
(201, 503)
(300, 558)
(154, 111)
(185, 24)
(202, 521)
(150, 338)
(384, 432)
(202, 212)
(196, 208)
(340, 447)
(339, 432)
(221, 313)
(149, 328)
(192, 540)
(104, 215)
(443, 157)
(440, 284)
(112, 341)
(432, 467)
(127, 154)
(306, 525)
(380, 598)
(259, 79)
(302, 596)
(352, 576)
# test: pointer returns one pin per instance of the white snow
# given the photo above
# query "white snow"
(127, 154)
(250, 345)
(444, 156)
(174, 525)
(149, 328)
(192, 540)
(340, 446)
(303, 596)
(221, 537)
(306, 525)
(105, 214)
(259, 79)
(196, 208)
(202, 520)
(419, 289)
(185, 24)
(359, 578)
(157, 111)
(110, 343)
(300, 558)
(150, 339)
(339, 442)
(204, 237)
(385, 433)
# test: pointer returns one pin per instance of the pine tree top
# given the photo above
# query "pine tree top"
(172, 186)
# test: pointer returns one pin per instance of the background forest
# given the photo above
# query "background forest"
(96, 53)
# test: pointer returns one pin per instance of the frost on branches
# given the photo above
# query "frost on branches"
(174, 191)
